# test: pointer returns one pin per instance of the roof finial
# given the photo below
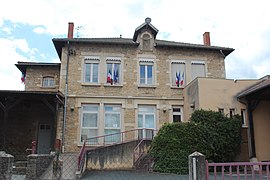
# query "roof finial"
(148, 20)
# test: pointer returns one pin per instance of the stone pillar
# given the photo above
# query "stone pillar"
(197, 166)
(6, 164)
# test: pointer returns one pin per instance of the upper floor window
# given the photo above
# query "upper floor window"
(197, 69)
(91, 66)
(48, 82)
(113, 70)
(178, 73)
(146, 72)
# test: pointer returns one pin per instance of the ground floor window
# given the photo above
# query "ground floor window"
(147, 119)
(112, 123)
(89, 121)
(177, 113)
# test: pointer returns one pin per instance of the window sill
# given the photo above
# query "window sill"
(48, 87)
(114, 85)
(244, 126)
(147, 86)
(89, 84)
(175, 87)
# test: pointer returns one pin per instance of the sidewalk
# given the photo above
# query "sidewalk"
(131, 175)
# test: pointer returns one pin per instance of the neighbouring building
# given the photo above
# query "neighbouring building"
(110, 85)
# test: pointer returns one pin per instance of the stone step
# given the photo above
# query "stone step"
(19, 170)
(19, 167)
(20, 163)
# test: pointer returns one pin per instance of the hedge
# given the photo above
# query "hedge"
(208, 132)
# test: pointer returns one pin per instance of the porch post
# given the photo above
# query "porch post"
(250, 109)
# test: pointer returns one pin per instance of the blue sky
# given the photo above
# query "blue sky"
(27, 28)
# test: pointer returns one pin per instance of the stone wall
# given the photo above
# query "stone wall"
(37, 165)
(6, 165)
(34, 76)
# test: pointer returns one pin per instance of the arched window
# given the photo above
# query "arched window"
(48, 81)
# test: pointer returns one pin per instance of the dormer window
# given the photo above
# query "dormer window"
(48, 81)
(146, 38)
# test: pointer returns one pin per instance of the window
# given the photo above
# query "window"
(243, 116)
(113, 70)
(112, 123)
(89, 122)
(221, 110)
(91, 66)
(48, 82)
(177, 114)
(146, 119)
(197, 69)
(232, 112)
(178, 73)
(146, 72)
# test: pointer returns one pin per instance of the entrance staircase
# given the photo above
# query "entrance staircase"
(121, 151)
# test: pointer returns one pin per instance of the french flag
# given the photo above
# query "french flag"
(177, 79)
(109, 77)
(182, 79)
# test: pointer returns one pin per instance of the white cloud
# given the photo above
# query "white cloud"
(39, 30)
(9, 74)
(238, 24)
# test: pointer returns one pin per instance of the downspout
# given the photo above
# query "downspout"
(66, 96)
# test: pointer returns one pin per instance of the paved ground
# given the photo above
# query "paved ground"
(131, 175)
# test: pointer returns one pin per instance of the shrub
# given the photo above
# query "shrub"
(208, 132)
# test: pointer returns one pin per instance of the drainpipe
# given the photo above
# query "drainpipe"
(66, 95)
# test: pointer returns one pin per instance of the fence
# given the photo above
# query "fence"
(239, 170)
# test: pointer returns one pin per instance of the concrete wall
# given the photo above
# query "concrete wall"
(35, 74)
(261, 120)
(112, 157)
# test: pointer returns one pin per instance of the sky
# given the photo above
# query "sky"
(27, 28)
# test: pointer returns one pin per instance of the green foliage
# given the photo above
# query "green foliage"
(208, 132)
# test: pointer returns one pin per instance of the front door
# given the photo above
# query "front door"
(44, 139)
(146, 119)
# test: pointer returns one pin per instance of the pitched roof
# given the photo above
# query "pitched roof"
(145, 26)
(59, 43)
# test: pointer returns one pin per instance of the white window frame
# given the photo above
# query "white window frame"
(243, 116)
(145, 132)
(48, 81)
(173, 75)
(117, 136)
(197, 63)
(113, 61)
(146, 63)
(91, 60)
(177, 113)
(91, 112)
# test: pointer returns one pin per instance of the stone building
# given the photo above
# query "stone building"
(119, 84)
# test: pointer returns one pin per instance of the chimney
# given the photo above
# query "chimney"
(206, 39)
(70, 30)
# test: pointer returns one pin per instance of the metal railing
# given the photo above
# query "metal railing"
(241, 170)
(111, 139)
(120, 137)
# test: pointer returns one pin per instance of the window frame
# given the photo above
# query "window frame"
(182, 74)
(91, 60)
(192, 70)
(243, 117)
(113, 61)
(177, 113)
(47, 80)
(89, 112)
(146, 63)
